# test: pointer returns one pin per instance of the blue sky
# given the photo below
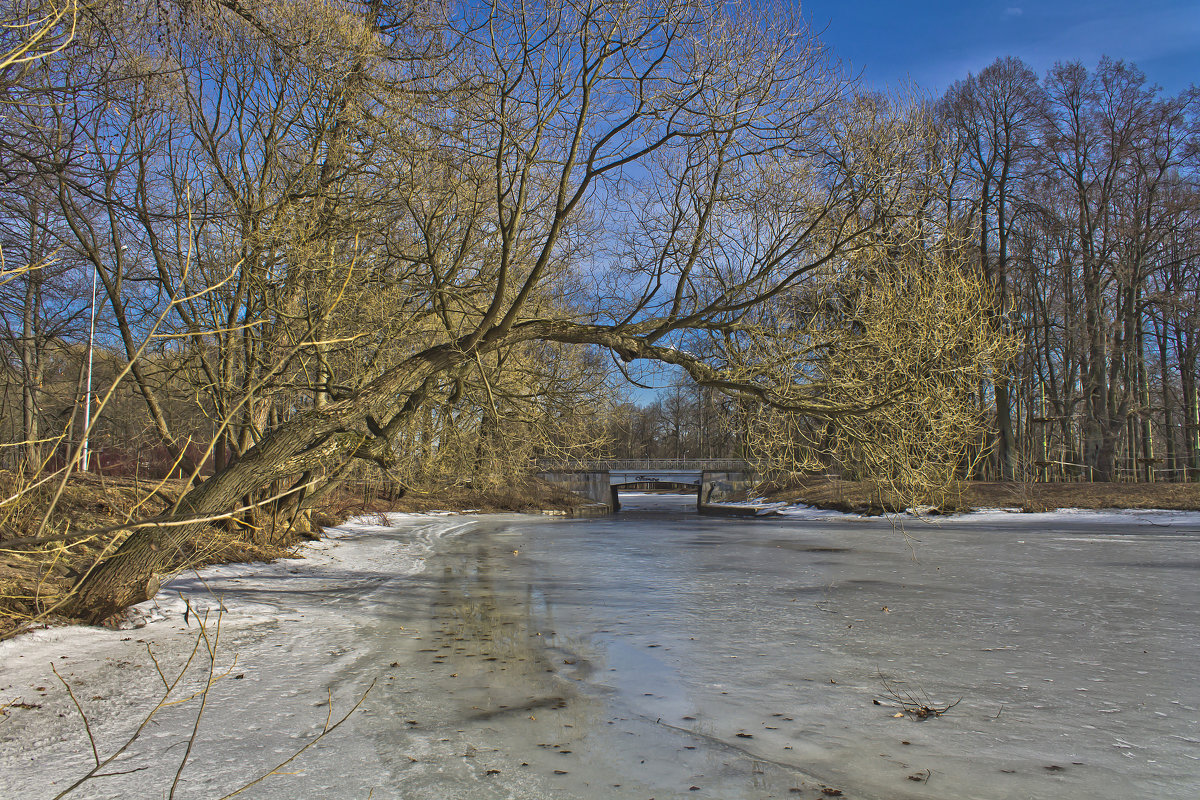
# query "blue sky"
(936, 42)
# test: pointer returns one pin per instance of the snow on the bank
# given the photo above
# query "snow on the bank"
(803, 512)
(1108, 516)
(993, 515)
(195, 588)
(42, 740)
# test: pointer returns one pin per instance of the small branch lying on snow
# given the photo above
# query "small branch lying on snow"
(917, 706)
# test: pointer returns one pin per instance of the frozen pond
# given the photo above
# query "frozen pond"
(659, 654)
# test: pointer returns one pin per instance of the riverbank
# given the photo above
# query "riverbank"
(42, 558)
(861, 498)
(35, 580)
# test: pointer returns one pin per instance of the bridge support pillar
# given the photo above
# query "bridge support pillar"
(595, 486)
(718, 487)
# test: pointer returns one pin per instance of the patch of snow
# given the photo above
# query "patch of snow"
(759, 505)
(993, 515)
(801, 511)
(1103, 516)
(286, 640)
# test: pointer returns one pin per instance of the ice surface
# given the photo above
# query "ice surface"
(653, 651)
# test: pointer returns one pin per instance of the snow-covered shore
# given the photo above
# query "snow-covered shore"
(282, 642)
(800, 511)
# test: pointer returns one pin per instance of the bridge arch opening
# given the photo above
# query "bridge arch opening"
(675, 487)
(654, 486)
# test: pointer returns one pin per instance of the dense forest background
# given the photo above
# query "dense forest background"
(1081, 189)
(266, 248)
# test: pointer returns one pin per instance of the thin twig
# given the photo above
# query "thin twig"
(212, 665)
(86, 726)
(145, 721)
(328, 729)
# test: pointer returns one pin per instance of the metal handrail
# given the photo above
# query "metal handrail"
(624, 464)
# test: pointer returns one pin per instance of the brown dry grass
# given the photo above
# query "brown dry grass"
(862, 498)
(35, 579)
(832, 493)
(1049, 496)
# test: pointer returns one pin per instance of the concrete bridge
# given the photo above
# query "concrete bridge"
(714, 479)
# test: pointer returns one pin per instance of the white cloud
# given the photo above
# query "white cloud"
(1013, 11)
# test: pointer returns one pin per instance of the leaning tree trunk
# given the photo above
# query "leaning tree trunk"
(320, 440)
(130, 575)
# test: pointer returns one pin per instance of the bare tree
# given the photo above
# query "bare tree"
(1097, 128)
(898, 337)
(996, 114)
(708, 144)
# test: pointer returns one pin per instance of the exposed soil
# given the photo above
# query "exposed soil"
(864, 498)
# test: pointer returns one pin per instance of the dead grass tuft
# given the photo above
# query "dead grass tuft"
(523, 494)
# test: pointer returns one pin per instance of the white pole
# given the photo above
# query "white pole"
(87, 398)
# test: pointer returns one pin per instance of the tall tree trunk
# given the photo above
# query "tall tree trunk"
(1171, 462)
(1185, 350)
(30, 375)
(31, 347)
(1006, 441)
(1147, 430)
(1097, 447)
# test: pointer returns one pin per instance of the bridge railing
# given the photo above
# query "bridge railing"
(627, 464)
